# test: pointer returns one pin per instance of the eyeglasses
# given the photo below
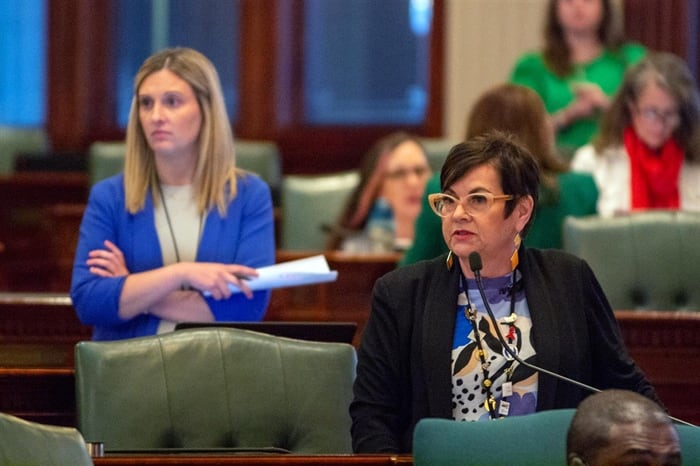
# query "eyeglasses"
(653, 115)
(475, 204)
(403, 173)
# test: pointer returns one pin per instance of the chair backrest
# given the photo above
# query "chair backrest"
(311, 202)
(263, 158)
(690, 443)
(16, 140)
(436, 149)
(537, 439)
(645, 260)
(105, 158)
(31, 444)
(215, 388)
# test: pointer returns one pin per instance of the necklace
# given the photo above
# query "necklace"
(470, 314)
(170, 225)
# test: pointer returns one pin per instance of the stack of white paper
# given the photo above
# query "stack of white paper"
(307, 271)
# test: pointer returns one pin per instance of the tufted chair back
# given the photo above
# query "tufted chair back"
(216, 388)
(645, 260)
(32, 444)
(310, 203)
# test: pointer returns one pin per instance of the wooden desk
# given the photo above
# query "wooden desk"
(346, 299)
(253, 460)
(666, 346)
(27, 229)
(39, 395)
(39, 330)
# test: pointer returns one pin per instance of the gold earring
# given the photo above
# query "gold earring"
(514, 259)
(449, 261)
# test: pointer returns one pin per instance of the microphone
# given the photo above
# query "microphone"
(476, 265)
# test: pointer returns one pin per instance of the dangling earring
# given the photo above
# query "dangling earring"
(514, 260)
(449, 261)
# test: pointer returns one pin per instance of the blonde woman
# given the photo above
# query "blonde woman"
(162, 242)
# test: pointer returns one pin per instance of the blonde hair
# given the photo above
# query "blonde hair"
(216, 163)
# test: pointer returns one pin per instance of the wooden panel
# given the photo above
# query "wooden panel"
(39, 395)
(81, 73)
(666, 345)
(28, 230)
(660, 25)
(253, 460)
(39, 330)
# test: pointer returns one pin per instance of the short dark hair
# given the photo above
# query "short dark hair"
(516, 166)
(589, 430)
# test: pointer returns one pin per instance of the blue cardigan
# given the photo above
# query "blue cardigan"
(245, 236)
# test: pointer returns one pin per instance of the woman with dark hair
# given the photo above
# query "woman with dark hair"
(519, 111)
(392, 181)
(429, 349)
(647, 155)
(580, 67)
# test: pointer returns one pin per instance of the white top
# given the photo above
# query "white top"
(611, 171)
(186, 225)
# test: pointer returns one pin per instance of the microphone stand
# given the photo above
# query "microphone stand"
(475, 265)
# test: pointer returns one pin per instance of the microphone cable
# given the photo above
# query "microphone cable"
(476, 265)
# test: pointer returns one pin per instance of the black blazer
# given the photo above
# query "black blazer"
(404, 372)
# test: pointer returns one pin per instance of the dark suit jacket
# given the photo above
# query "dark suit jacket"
(404, 373)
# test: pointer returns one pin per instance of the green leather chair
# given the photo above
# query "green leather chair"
(105, 158)
(690, 443)
(436, 149)
(311, 203)
(645, 260)
(537, 439)
(216, 388)
(31, 444)
(16, 140)
(261, 157)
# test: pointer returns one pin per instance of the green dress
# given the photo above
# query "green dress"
(576, 195)
(427, 241)
(557, 93)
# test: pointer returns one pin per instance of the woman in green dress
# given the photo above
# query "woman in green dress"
(579, 69)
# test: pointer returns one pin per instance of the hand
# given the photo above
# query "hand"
(214, 278)
(107, 262)
(591, 97)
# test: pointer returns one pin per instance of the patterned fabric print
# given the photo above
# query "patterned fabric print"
(468, 393)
